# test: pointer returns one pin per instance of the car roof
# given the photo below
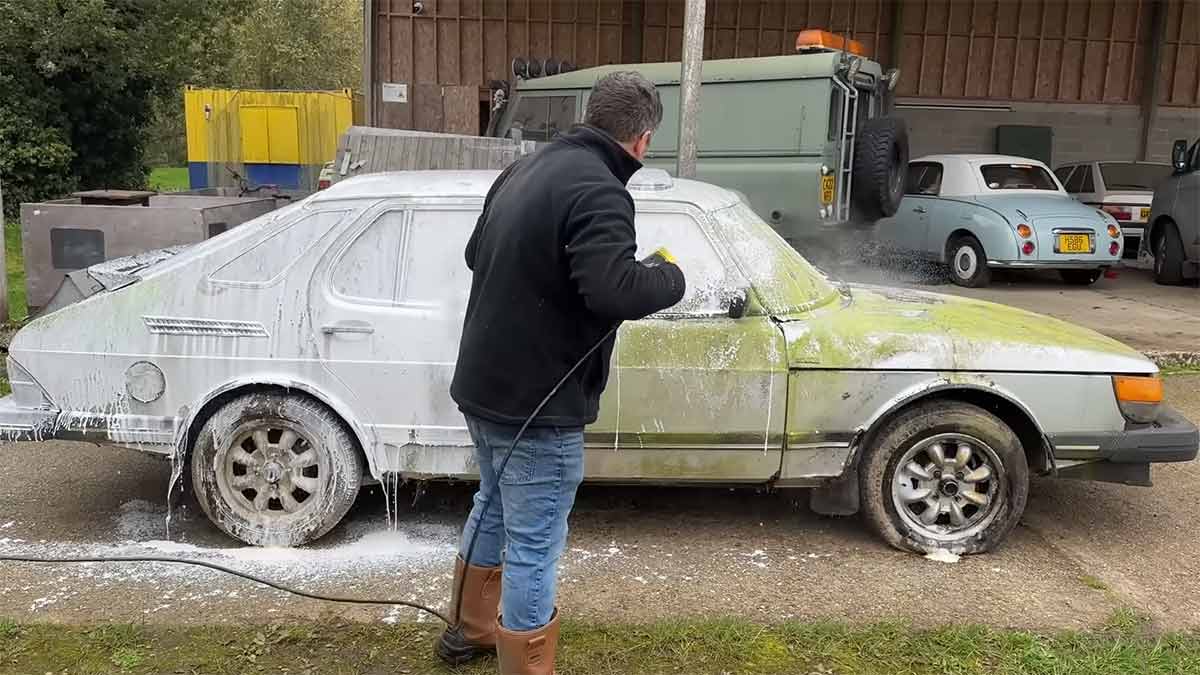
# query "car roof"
(646, 185)
(980, 159)
(782, 67)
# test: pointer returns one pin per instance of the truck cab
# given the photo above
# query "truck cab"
(805, 138)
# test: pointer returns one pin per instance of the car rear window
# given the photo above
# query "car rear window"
(1017, 177)
(1131, 176)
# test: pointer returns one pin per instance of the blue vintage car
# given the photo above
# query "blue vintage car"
(978, 212)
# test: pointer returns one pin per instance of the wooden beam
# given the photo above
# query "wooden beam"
(368, 58)
(1154, 39)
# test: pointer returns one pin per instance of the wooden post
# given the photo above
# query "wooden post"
(689, 86)
(4, 316)
(1155, 38)
(368, 63)
(897, 31)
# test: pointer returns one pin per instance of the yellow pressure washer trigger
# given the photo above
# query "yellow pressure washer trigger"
(666, 255)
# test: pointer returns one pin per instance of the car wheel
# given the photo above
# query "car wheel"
(880, 168)
(944, 476)
(1168, 257)
(1080, 277)
(968, 263)
(275, 469)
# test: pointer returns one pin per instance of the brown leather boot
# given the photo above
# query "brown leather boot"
(528, 652)
(473, 632)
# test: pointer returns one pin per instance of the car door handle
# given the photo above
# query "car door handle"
(919, 209)
(361, 327)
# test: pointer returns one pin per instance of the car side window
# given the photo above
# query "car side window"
(710, 284)
(266, 261)
(1063, 173)
(432, 270)
(368, 270)
(1075, 183)
(924, 178)
(544, 118)
(1089, 183)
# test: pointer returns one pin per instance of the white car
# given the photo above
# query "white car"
(1124, 190)
(298, 355)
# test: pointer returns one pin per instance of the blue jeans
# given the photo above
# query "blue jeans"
(526, 525)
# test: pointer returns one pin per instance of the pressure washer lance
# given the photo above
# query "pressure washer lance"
(652, 260)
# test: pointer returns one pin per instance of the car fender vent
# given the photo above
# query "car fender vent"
(164, 325)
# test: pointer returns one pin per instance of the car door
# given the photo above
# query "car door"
(905, 231)
(921, 200)
(387, 305)
(694, 395)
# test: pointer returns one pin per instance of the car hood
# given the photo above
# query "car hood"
(881, 328)
(1035, 206)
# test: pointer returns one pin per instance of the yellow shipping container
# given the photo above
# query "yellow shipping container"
(268, 137)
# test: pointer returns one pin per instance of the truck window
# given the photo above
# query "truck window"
(544, 118)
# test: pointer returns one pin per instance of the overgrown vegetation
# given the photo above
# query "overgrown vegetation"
(93, 88)
(726, 646)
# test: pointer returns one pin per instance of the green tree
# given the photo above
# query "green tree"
(79, 79)
(297, 44)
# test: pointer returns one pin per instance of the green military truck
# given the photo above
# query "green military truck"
(805, 138)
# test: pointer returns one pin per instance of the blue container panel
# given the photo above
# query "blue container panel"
(283, 175)
(197, 175)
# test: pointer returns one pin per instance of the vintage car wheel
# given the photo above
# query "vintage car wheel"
(275, 469)
(1168, 257)
(880, 167)
(968, 262)
(1080, 277)
(944, 476)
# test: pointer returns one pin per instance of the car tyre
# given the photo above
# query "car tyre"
(906, 448)
(1168, 257)
(968, 262)
(275, 469)
(1080, 277)
(880, 168)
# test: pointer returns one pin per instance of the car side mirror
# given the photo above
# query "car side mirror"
(737, 304)
(1179, 156)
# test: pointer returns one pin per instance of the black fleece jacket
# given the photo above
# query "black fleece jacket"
(554, 269)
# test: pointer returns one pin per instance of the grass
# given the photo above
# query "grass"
(699, 647)
(1093, 582)
(14, 260)
(169, 178)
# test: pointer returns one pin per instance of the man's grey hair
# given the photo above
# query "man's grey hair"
(625, 105)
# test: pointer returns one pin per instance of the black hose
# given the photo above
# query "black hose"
(333, 598)
(227, 570)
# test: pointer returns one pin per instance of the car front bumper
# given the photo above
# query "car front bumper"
(1125, 456)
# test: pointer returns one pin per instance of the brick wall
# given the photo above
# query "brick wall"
(1081, 132)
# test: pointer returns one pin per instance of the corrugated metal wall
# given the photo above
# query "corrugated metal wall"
(1076, 51)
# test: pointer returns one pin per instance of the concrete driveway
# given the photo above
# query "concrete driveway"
(635, 554)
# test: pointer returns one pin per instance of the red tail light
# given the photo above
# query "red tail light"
(323, 183)
(1113, 248)
(1118, 212)
(1027, 248)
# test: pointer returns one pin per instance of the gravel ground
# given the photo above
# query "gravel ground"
(634, 554)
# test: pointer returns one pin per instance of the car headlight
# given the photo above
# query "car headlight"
(1139, 397)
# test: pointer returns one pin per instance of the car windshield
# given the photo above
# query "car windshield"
(783, 279)
(1133, 176)
(1017, 177)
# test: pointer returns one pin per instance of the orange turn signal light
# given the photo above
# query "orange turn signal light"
(1025, 231)
(1114, 231)
(823, 39)
(1138, 389)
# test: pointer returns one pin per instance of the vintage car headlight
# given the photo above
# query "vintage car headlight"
(1138, 397)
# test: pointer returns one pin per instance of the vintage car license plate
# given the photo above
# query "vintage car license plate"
(826, 189)
(1074, 243)
(1145, 214)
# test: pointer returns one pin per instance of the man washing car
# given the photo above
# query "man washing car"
(554, 271)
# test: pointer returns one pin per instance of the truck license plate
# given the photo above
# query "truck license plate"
(826, 189)
(1074, 243)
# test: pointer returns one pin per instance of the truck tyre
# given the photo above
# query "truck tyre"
(944, 476)
(968, 262)
(1168, 256)
(275, 469)
(880, 168)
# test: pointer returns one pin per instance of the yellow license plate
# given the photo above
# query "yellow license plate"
(1074, 243)
(1145, 214)
(826, 189)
